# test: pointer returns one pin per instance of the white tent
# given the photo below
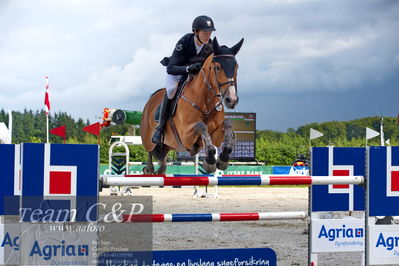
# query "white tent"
(4, 134)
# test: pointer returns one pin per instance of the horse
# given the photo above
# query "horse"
(198, 121)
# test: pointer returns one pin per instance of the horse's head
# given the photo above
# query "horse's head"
(225, 67)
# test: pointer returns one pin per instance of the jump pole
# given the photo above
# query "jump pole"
(213, 217)
(227, 180)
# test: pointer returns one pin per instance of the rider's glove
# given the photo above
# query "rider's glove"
(194, 68)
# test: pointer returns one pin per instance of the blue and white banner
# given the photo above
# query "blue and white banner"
(9, 244)
(43, 244)
(243, 256)
(383, 181)
(330, 161)
(383, 178)
(383, 244)
(337, 235)
(59, 182)
(10, 179)
(290, 170)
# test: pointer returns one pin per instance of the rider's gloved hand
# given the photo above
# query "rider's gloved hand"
(194, 68)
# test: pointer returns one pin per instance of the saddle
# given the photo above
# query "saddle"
(173, 105)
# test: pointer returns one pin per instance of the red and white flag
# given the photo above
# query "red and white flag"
(47, 98)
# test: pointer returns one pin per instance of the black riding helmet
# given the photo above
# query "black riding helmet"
(204, 23)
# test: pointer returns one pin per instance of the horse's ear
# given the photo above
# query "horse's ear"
(215, 45)
(237, 47)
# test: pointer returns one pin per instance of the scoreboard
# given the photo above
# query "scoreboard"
(244, 127)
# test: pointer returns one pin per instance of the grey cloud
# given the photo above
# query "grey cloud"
(107, 52)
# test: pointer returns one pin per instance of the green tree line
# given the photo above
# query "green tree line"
(272, 147)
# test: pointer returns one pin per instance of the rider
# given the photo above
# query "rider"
(187, 58)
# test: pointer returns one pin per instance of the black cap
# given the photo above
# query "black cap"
(204, 23)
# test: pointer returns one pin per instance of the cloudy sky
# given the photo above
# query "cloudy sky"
(302, 61)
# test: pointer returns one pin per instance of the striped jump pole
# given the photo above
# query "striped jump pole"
(212, 217)
(227, 180)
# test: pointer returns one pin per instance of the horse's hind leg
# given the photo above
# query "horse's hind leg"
(160, 152)
(162, 168)
(210, 150)
(227, 146)
(149, 168)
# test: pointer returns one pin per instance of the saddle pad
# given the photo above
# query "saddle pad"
(175, 100)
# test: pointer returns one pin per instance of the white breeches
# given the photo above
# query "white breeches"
(172, 82)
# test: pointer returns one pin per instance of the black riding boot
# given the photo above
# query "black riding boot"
(157, 136)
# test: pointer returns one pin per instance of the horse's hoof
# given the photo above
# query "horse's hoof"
(211, 151)
(225, 157)
(221, 165)
(193, 153)
(227, 149)
(210, 160)
(148, 170)
(161, 171)
(209, 168)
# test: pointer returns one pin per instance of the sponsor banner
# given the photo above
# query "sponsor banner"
(383, 178)
(78, 243)
(59, 177)
(337, 235)
(45, 244)
(330, 161)
(384, 244)
(290, 170)
(190, 170)
(10, 179)
(248, 256)
(9, 244)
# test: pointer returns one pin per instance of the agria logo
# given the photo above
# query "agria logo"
(343, 232)
(50, 251)
(389, 242)
(12, 242)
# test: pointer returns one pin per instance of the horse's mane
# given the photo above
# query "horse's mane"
(156, 92)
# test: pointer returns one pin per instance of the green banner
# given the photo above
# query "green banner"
(190, 170)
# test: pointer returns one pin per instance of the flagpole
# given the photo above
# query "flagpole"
(47, 107)
(47, 127)
(382, 132)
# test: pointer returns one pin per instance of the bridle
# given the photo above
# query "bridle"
(220, 94)
(230, 82)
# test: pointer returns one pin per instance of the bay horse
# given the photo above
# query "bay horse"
(198, 121)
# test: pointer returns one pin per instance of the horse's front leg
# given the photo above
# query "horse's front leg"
(227, 146)
(210, 150)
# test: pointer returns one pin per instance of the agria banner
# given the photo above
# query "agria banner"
(337, 235)
(383, 178)
(59, 182)
(10, 179)
(331, 161)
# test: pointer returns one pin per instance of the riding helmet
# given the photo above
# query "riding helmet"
(204, 23)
